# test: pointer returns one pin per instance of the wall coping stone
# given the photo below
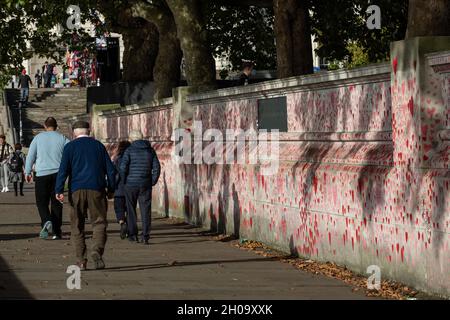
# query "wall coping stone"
(373, 73)
(439, 61)
(139, 108)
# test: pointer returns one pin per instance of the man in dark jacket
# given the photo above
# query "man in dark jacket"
(87, 163)
(244, 78)
(44, 73)
(139, 169)
(49, 75)
(24, 85)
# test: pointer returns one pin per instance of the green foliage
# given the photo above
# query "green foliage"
(235, 33)
(357, 56)
(339, 24)
(13, 43)
(28, 24)
(241, 33)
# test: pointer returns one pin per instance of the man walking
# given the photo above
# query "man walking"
(45, 152)
(244, 78)
(44, 73)
(48, 74)
(139, 170)
(5, 151)
(24, 85)
(38, 78)
(87, 163)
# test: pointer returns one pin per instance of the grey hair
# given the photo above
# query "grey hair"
(136, 135)
(81, 131)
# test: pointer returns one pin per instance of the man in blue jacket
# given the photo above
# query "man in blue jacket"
(140, 171)
(87, 163)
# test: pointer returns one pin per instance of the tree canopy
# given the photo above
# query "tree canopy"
(274, 34)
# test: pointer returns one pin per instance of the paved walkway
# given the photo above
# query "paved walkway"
(205, 269)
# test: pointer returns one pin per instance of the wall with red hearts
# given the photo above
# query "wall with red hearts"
(363, 172)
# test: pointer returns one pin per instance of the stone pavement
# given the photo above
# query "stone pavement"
(32, 268)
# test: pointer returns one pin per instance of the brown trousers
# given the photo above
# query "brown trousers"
(97, 203)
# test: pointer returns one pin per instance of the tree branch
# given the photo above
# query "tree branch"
(146, 11)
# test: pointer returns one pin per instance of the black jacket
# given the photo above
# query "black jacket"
(139, 166)
(243, 80)
(120, 192)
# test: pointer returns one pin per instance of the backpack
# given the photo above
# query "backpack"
(16, 163)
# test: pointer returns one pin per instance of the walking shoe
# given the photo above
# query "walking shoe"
(3, 190)
(6, 189)
(98, 261)
(133, 239)
(82, 265)
(123, 230)
(48, 226)
(22, 194)
(146, 242)
(43, 234)
(56, 237)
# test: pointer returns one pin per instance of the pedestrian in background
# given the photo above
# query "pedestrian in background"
(139, 169)
(24, 85)
(45, 152)
(5, 152)
(244, 78)
(49, 74)
(16, 165)
(120, 204)
(45, 74)
(92, 179)
(38, 78)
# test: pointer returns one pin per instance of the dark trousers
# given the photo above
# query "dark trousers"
(45, 194)
(134, 195)
(48, 83)
(96, 202)
(16, 185)
(120, 208)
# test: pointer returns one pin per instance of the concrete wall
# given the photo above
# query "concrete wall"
(363, 177)
(6, 119)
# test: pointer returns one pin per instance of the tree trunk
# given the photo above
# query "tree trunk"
(140, 39)
(293, 37)
(140, 52)
(199, 63)
(166, 72)
(428, 18)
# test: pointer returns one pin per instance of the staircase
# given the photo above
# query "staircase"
(43, 103)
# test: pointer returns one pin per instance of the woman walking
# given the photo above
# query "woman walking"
(120, 205)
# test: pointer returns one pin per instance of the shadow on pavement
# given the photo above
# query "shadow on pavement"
(10, 287)
(186, 263)
(18, 236)
(17, 203)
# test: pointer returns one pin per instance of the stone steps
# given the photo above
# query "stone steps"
(43, 103)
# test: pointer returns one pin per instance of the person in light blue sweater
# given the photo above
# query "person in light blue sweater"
(45, 154)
